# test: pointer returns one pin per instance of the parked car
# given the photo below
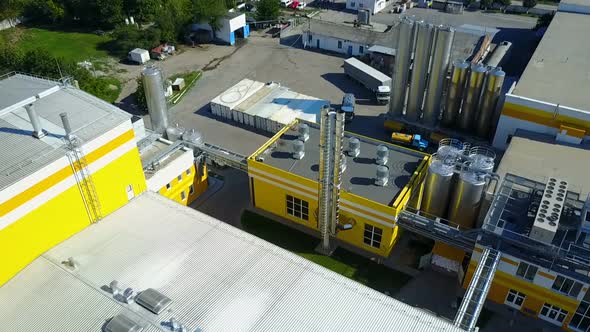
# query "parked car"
(294, 5)
(286, 3)
(301, 5)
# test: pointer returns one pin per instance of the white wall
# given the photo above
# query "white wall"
(237, 22)
(169, 172)
(331, 44)
(374, 6)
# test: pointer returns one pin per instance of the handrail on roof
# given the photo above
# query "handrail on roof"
(14, 73)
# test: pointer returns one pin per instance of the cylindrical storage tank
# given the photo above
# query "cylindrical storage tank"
(482, 159)
(153, 86)
(471, 97)
(455, 93)
(449, 148)
(438, 73)
(467, 197)
(437, 187)
(489, 102)
(401, 67)
(424, 38)
(174, 133)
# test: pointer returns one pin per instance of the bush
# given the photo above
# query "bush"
(139, 95)
(128, 37)
(529, 3)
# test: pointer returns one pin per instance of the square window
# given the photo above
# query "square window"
(587, 218)
(372, 236)
(361, 50)
(191, 189)
(339, 44)
(182, 195)
(352, 4)
(526, 271)
(515, 299)
(188, 171)
(180, 177)
(168, 186)
(297, 207)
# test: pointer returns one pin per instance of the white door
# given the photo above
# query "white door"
(130, 193)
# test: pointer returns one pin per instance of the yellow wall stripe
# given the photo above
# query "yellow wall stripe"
(509, 261)
(61, 175)
(546, 275)
(541, 117)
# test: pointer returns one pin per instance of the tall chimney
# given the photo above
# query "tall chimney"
(327, 120)
(337, 169)
(38, 131)
(66, 123)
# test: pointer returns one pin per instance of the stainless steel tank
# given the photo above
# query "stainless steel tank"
(467, 197)
(455, 93)
(482, 159)
(193, 136)
(424, 38)
(450, 148)
(153, 85)
(441, 57)
(401, 67)
(489, 102)
(471, 97)
(437, 187)
(174, 133)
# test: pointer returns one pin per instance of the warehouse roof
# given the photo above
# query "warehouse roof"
(360, 172)
(23, 154)
(219, 278)
(558, 71)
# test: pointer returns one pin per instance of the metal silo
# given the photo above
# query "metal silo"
(437, 186)
(401, 68)
(153, 86)
(467, 196)
(489, 101)
(438, 73)
(450, 148)
(455, 93)
(471, 97)
(482, 159)
(424, 39)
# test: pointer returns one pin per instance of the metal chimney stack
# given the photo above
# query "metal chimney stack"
(66, 123)
(326, 168)
(338, 168)
(153, 86)
(38, 131)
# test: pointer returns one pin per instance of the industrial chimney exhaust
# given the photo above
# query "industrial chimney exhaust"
(66, 123)
(38, 131)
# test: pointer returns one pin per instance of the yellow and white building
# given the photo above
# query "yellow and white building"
(551, 97)
(288, 187)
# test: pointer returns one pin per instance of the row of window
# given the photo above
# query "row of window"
(361, 48)
(191, 190)
(561, 284)
(299, 208)
(549, 312)
(179, 177)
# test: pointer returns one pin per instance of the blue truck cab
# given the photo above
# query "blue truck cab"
(419, 143)
(347, 107)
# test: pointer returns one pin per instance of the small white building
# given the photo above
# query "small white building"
(345, 38)
(139, 55)
(232, 26)
(374, 6)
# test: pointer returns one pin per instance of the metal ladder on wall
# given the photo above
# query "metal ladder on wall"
(84, 180)
(477, 292)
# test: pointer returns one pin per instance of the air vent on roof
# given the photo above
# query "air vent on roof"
(382, 176)
(382, 155)
(303, 132)
(298, 149)
(551, 206)
(354, 147)
(153, 300)
(122, 323)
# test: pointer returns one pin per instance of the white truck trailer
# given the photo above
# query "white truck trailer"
(370, 78)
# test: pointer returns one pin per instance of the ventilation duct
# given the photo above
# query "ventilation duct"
(122, 323)
(298, 149)
(382, 155)
(303, 132)
(354, 147)
(153, 300)
(382, 176)
(38, 131)
(66, 123)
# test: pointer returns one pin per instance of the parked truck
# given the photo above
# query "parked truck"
(347, 107)
(415, 141)
(370, 78)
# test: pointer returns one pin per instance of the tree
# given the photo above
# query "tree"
(139, 95)
(209, 11)
(529, 3)
(230, 3)
(485, 4)
(173, 19)
(11, 8)
(544, 21)
(45, 10)
(268, 10)
(109, 12)
(504, 2)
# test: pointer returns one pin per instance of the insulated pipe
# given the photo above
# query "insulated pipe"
(325, 192)
(338, 168)
(38, 131)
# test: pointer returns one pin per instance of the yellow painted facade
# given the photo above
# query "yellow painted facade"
(187, 186)
(545, 118)
(270, 186)
(64, 215)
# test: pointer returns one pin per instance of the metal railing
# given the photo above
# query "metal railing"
(84, 179)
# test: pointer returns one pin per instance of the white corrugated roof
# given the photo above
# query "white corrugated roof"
(220, 279)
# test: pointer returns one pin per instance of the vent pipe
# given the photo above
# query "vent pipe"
(382, 176)
(298, 149)
(338, 168)
(382, 155)
(38, 131)
(354, 147)
(326, 166)
(303, 132)
(66, 123)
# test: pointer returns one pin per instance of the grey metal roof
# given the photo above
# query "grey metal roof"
(360, 172)
(382, 49)
(218, 277)
(558, 70)
(23, 154)
(362, 35)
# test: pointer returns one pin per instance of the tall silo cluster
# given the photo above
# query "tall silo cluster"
(429, 88)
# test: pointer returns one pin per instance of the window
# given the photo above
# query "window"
(567, 286)
(552, 314)
(168, 186)
(188, 171)
(361, 50)
(587, 218)
(182, 195)
(180, 177)
(515, 299)
(361, 5)
(309, 37)
(191, 189)
(353, 4)
(297, 207)
(526, 271)
(581, 319)
(373, 235)
(339, 44)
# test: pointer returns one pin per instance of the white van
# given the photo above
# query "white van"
(286, 3)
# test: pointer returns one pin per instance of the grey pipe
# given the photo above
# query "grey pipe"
(66, 123)
(325, 192)
(38, 131)
(337, 170)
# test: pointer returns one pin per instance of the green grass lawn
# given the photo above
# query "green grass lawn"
(70, 45)
(348, 264)
(190, 79)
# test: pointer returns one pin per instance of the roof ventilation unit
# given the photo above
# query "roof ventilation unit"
(382, 176)
(547, 218)
(122, 323)
(298, 149)
(153, 300)
(38, 131)
(382, 155)
(354, 147)
(303, 132)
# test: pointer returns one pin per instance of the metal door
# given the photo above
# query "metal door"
(350, 50)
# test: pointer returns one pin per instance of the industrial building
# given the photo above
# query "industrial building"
(154, 265)
(377, 181)
(372, 6)
(231, 27)
(551, 97)
(267, 107)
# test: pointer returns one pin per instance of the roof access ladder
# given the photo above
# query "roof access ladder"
(84, 180)
(477, 292)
